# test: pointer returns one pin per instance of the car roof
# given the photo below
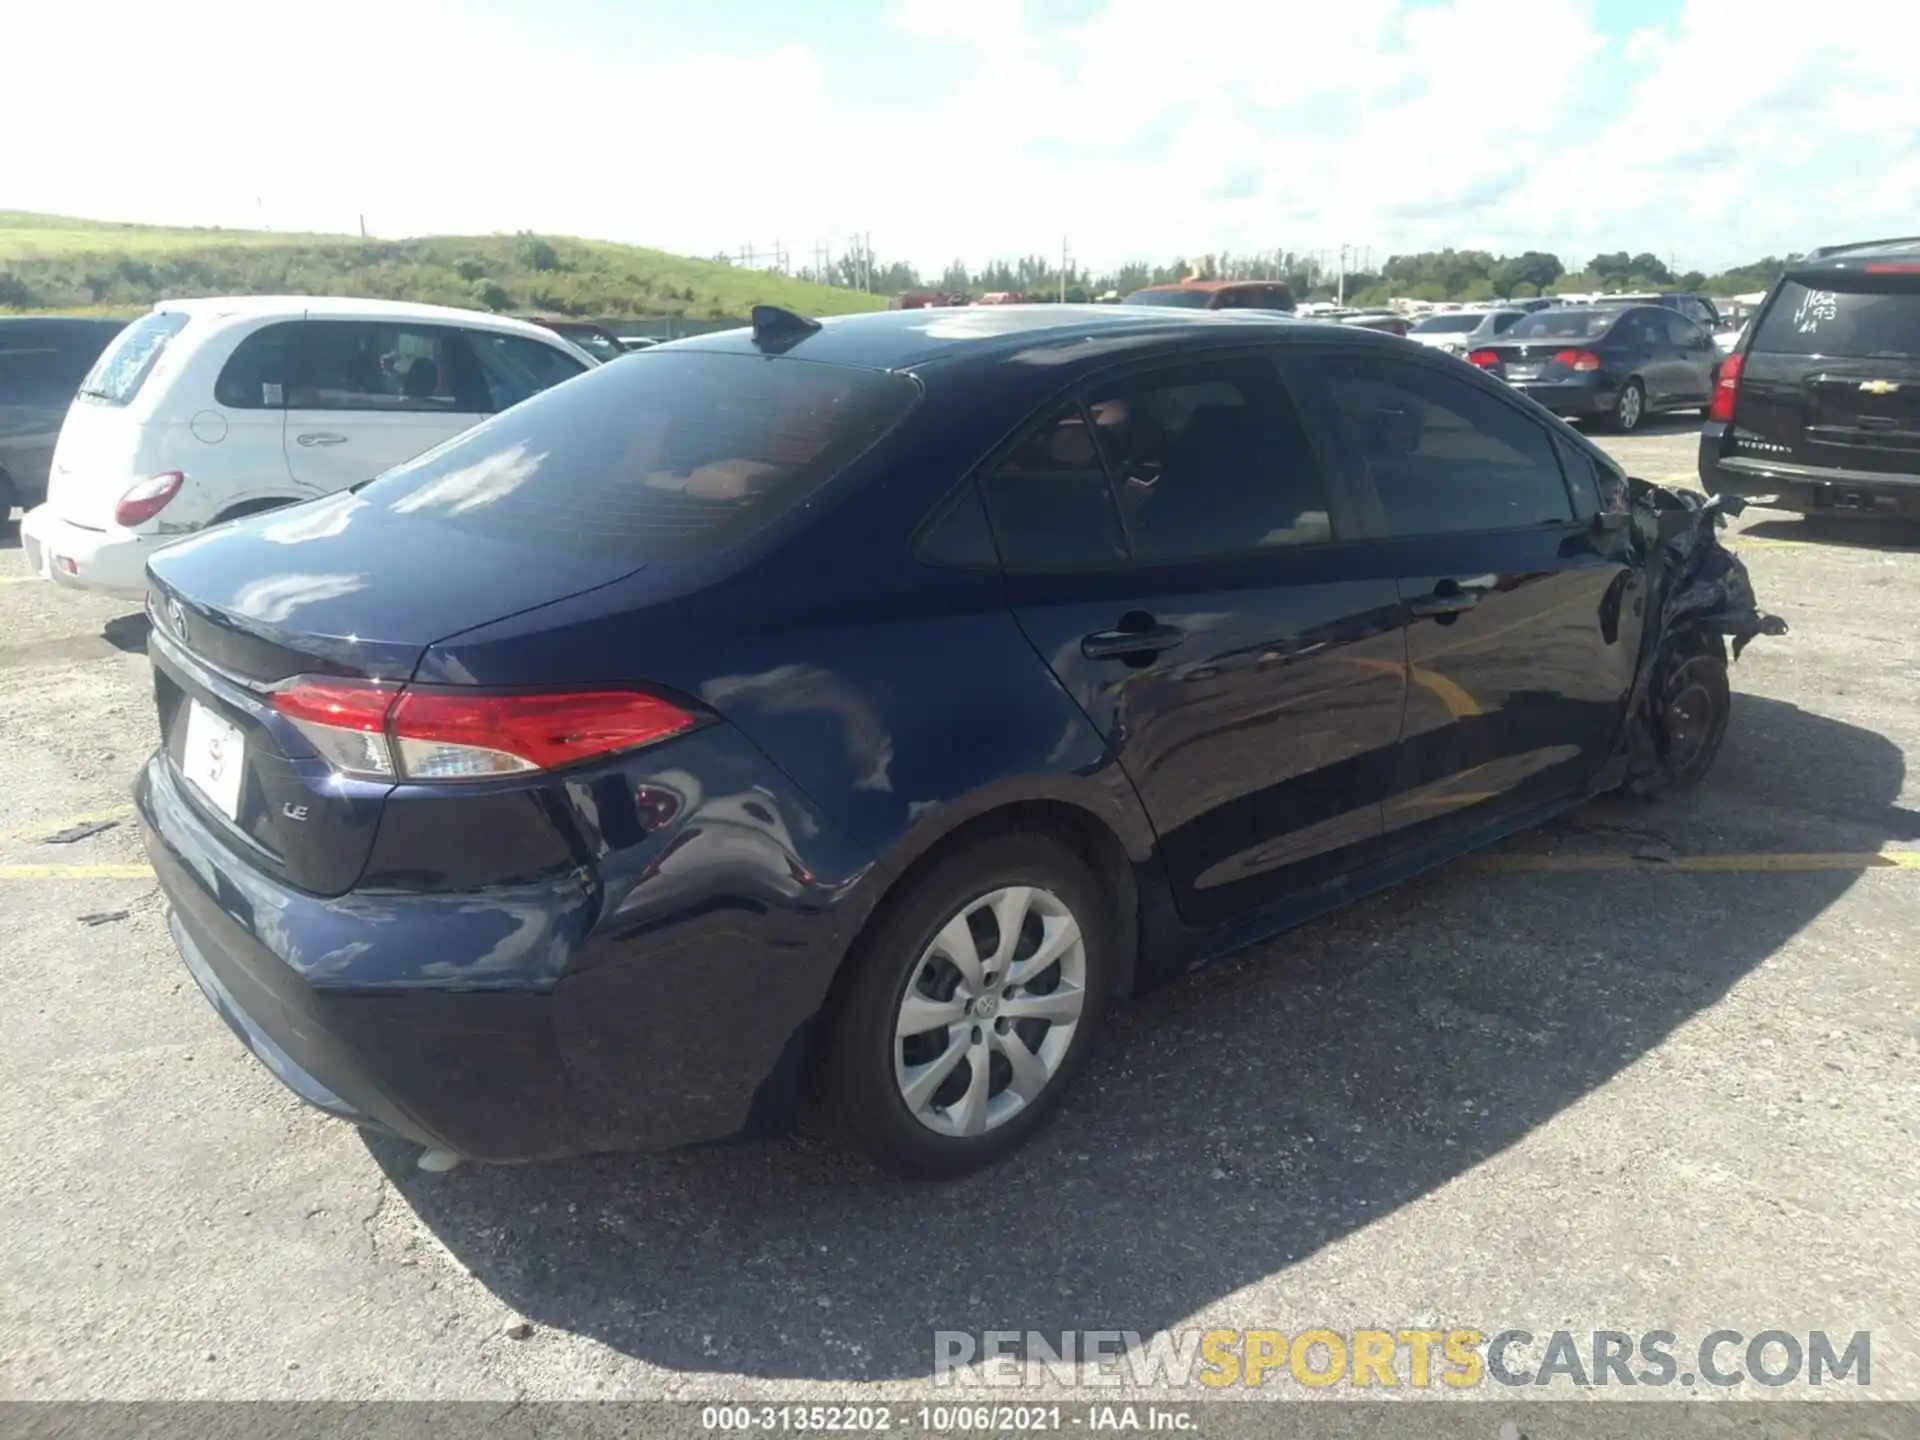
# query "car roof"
(900, 339)
(1210, 286)
(1902, 252)
(339, 307)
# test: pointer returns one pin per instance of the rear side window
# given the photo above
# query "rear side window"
(124, 365)
(1209, 460)
(1858, 322)
(1444, 456)
(670, 456)
(515, 367)
(380, 366)
(256, 374)
(1050, 503)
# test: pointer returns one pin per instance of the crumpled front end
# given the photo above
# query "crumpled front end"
(1702, 604)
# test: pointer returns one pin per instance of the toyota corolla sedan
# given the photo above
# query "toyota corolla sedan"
(857, 710)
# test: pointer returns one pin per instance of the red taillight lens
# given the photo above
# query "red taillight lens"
(1485, 359)
(147, 499)
(1891, 267)
(1728, 389)
(378, 732)
(1582, 360)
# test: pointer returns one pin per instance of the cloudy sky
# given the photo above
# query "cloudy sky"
(1710, 130)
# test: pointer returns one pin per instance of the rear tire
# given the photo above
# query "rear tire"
(1629, 408)
(992, 1054)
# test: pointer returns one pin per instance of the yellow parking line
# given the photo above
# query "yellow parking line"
(17, 579)
(76, 872)
(1696, 864)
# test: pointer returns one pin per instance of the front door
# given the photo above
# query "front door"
(367, 395)
(1171, 551)
(1521, 636)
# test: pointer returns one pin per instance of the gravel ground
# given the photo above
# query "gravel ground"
(1514, 1093)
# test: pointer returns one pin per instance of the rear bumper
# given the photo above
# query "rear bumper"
(111, 562)
(1788, 486)
(666, 1000)
(1584, 395)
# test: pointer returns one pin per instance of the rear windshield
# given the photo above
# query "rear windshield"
(669, 455)
(124, 366)
(1857, 323)
(1563, 325)
(1448, 325)
(1185, 299)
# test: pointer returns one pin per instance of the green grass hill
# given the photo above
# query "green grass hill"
(57, 263)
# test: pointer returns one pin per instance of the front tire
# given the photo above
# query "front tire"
(974, 1004)
(1694, 704)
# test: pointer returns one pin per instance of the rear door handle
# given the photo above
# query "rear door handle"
(1109, 644)
(321, 437)
(1453, 602)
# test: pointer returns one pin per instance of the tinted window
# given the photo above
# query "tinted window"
(1450, 324)
(44, 362)
(1857, 322)
(1184, 299)
(125, 364)
(1050, 503)
(666, 456)
(515, 367)
(957, 533)
(1683, 334)
(1564, 325)
(1504, 323)
(256, 374)
(1444, 456)
(1208, 460)
(377, 365)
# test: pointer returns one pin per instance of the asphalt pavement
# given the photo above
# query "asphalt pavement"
(1650, 1068)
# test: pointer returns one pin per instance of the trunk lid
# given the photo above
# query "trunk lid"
(94, 461)
(338, 587)
(1832, 376)
(1528, 360)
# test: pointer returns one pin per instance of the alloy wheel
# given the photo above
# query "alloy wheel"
(990, 1010)
(1630, 407)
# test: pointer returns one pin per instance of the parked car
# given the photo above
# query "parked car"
(1820, 407)
(870, 703)
(206, 410)
(631, 343)
(1617, 364)
(1217, 295)
(598, 341)
(1461, 330)
(1698, 308)
(43, 359)
(1387, 322)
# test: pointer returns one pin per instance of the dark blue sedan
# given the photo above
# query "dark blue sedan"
(856, 710)
(1616, 364)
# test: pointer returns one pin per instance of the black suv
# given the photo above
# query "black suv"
(1819, 408)
(43, 359)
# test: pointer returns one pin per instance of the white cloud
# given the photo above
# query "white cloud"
(1136, 128)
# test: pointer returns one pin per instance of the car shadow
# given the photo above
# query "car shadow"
(128, 632)
(1856, 532)
(1233, 1123)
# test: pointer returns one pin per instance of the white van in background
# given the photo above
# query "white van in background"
(205, 410)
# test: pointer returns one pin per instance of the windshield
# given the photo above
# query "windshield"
(1856, 323)
(1185, 299)
(674, 455)
(125, 364)
(1448, 324)
(1563, 325)
(590, 338)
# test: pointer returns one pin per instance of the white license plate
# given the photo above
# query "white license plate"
(216, 758)
(1523, 372)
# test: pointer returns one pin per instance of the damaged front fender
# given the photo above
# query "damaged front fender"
(1701, 612)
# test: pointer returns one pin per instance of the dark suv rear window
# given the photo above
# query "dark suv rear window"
(1857, 322)
(120, 372)
(671, 455)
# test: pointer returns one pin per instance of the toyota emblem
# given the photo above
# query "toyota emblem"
(177, 617)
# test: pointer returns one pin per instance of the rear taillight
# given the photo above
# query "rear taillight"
(147, 499)
(1582, 360)
(1893, 267)
(378, 732)
(1727, 389)
(1485, 359)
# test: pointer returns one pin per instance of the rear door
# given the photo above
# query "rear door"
(1695, 359)
(1832, 376)
(1171, 551)
(1641, 338)
(1521, 639)
(368, 394)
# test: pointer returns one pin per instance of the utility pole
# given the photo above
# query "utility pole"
(1340, 290)
(1063, 269)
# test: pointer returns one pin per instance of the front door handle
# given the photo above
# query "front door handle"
(1111, 644)
(321, 437)
(1446, 602)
